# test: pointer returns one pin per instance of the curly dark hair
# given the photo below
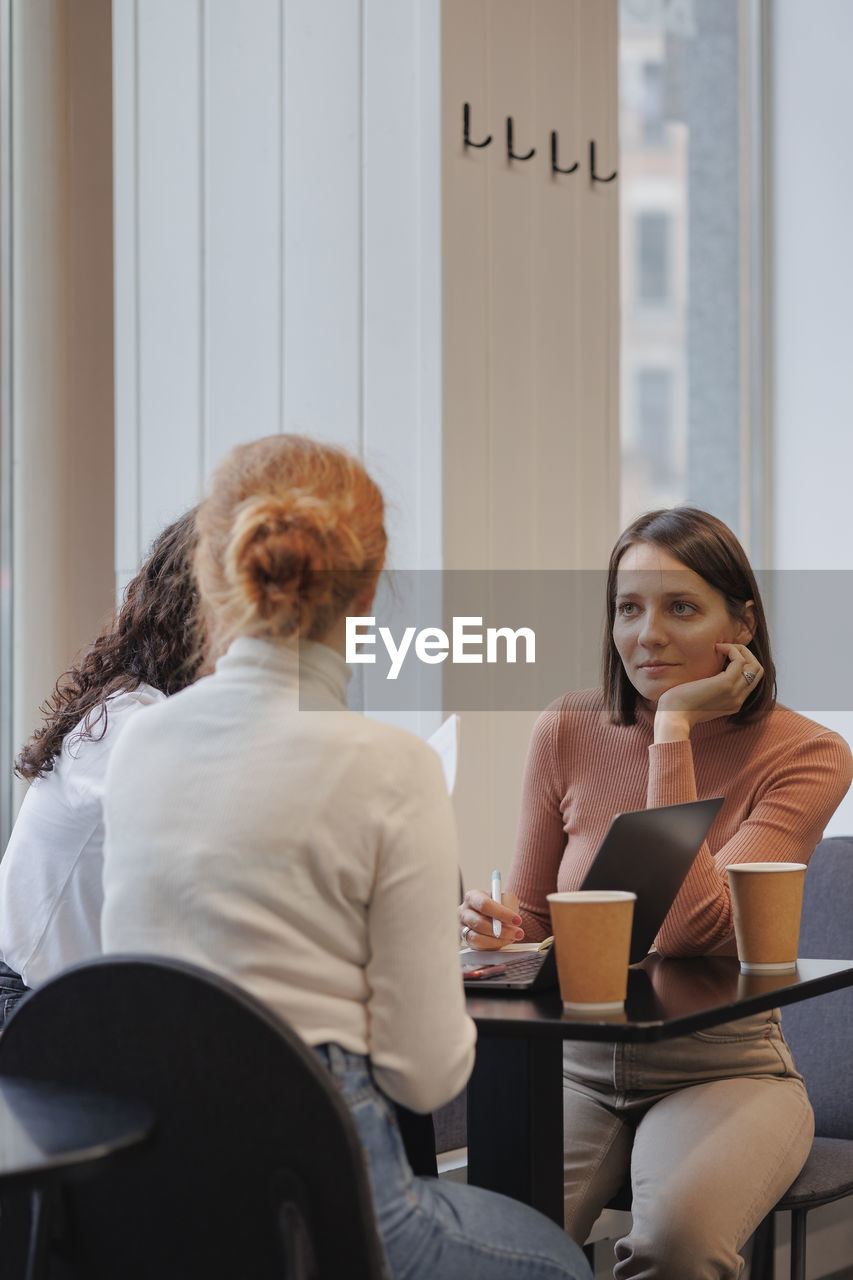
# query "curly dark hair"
(154, 639)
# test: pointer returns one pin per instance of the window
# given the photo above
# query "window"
(653, 250)
(652, 105)
(692, 345)
(654, 422)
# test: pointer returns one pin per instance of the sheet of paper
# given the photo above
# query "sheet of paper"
(445, 741)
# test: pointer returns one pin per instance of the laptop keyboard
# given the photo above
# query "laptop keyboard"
(521, 967)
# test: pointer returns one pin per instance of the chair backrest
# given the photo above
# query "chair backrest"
(820, 1031)
(255, 1167)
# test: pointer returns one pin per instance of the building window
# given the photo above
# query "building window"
(654, 422)
(653, 235)
(652, 105)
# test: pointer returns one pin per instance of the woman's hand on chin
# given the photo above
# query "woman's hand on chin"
(685, 705)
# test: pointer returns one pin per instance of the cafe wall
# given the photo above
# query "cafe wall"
(59, 381)
(531, 330)
(812, 392)
(277, 246)
(304, 243)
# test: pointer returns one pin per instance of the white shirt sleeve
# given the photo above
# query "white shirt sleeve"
(421, 1041)
(50, 877)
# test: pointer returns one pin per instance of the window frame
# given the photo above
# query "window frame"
(6, 452)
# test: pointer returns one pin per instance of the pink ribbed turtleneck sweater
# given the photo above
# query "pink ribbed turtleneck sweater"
(782, 778)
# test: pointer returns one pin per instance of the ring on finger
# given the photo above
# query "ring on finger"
(749, 676)
(466, 932)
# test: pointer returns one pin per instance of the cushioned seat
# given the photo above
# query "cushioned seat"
(820, 1034)
(828, 1174)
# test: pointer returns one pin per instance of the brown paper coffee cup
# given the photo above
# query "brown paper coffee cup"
(767, 899)
(592, 940)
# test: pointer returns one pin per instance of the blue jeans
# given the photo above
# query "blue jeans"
(12, 990)
(431, 1228)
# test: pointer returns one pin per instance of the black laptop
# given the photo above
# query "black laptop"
(649, 853)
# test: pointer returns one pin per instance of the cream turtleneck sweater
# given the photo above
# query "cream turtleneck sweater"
(257, 827)
(782, 778)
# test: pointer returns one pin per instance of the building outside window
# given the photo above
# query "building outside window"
(654, 392)
(652, 107)
(692, 349)
(652, 245)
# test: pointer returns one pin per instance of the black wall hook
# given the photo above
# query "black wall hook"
(555, 168)
(595, 177)
(510, 154)
(466, 126)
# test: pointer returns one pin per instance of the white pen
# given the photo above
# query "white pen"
(496, 894)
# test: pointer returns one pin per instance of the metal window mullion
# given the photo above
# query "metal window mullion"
(754, 282)
(6, 452)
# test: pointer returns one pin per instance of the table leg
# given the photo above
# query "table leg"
(764, 1249)
(515, 1121)
(41, 1208)
(15, 1231)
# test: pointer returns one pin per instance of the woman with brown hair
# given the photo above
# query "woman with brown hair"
(50, 874)
(289, 844)
(713, 1127)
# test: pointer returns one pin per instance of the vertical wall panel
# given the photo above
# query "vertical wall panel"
(402, 429)
(393, 265)
(323, 219)
(60, 317)
(596, 260)
(530, 463)
(560, 323)
(125, 359)
(40, 639)
(513, 188)
(277, 209)
(466, 285)
(530, 272)
(89, 470)
(170, 298)
(428, 248)
(242, 223)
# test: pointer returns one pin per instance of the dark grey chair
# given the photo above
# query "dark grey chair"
(820, 1034)
(451, 1124)
(255, 1166)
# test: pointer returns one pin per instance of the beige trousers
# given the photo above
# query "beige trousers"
(712, 1129)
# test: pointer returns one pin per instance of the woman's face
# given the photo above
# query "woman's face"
(668, 620)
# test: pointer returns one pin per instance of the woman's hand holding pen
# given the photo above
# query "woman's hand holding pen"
(477, 916)
(685, 705)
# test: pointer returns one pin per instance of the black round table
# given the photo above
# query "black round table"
(49, 1133)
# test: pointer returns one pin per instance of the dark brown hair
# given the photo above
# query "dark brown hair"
(291, 532)
(708, 547)
(154, 639)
